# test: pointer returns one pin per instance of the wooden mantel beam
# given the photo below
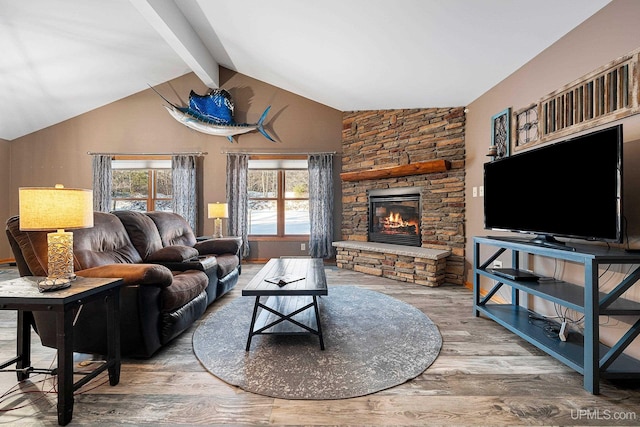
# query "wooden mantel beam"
(419, 168)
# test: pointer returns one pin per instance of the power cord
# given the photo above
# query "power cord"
(551, 329)
(20, 390)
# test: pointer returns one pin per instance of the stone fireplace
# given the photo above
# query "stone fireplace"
(395, 215)
(384, 152)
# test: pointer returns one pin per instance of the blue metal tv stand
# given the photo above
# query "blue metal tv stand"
(582, 352)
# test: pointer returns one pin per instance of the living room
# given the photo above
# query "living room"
(139, 123)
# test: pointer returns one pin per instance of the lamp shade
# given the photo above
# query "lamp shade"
(218, 210)
(51, 208)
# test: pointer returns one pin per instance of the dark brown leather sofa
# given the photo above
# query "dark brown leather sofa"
(168, 283)
(161, 237)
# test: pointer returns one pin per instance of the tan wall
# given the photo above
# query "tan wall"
(140, 124)
(609, 34)
(5, 171)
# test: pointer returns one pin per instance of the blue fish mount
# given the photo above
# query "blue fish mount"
(213, 114)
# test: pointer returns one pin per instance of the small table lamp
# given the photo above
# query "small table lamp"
(218, 211)
(46, 208)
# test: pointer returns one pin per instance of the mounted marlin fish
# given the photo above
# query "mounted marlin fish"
(213, 114)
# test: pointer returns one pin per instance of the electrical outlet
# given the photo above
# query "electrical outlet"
(303, 246)
(497, 264)
(475, 191)
(481, 191)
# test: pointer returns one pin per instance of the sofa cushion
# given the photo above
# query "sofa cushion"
(142, 231)
(185, 287)
(175, 253)
(33, 246)
(107, 242)
(173, 229)
(224, 245)
(133, 274)
(226, 264)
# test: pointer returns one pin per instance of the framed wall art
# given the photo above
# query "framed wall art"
(500, 134)
(526, 128)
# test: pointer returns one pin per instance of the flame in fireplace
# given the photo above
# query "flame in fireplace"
(395, 219)
(394, 223)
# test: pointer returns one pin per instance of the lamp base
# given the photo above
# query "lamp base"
(60, 246)
(217, 228)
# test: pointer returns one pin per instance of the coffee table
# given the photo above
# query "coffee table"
(287, 310)
(22, 295)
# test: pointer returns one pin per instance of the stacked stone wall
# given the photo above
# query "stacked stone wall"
(385, 138)
(423, 271)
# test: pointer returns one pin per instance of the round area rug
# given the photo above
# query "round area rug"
(372, 342)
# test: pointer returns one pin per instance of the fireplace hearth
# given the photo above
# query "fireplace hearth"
(395, 216)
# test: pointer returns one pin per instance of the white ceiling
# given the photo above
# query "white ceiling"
(61, 58)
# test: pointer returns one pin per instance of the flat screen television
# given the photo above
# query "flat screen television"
(571, 188)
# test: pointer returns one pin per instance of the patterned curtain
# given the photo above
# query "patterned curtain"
(238, 198)
(102, 176)
(321, 205)
(185, 195)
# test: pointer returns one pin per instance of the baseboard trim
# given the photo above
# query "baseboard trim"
(483, 293)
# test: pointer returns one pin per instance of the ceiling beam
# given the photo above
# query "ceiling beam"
(168, 20)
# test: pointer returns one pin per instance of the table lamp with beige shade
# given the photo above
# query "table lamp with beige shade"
(217, 211)
(56, 208)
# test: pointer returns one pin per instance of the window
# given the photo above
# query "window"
(141, 184)
(278, 197)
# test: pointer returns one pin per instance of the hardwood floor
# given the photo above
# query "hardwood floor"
(484, 375)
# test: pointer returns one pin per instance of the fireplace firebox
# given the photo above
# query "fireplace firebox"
(395, 216)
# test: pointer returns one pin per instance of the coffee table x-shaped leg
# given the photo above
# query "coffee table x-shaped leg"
(273, 319)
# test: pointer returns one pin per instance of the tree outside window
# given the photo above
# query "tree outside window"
(141, 189)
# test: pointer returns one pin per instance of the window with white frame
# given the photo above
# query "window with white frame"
(141, 183)
(278, 190)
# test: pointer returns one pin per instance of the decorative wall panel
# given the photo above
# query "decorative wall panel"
(602, 96)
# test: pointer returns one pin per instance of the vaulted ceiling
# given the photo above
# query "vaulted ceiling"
(61, 58)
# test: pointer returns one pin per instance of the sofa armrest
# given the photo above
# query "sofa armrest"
(132, 274)
(174, 253)
(223, 245)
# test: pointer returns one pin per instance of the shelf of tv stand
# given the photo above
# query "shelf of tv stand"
(566, 294)
(570, 352)
(582, 352)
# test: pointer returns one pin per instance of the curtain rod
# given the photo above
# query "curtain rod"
(196, 153)
(276, 153)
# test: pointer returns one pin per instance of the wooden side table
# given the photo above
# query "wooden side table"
(22, 295)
